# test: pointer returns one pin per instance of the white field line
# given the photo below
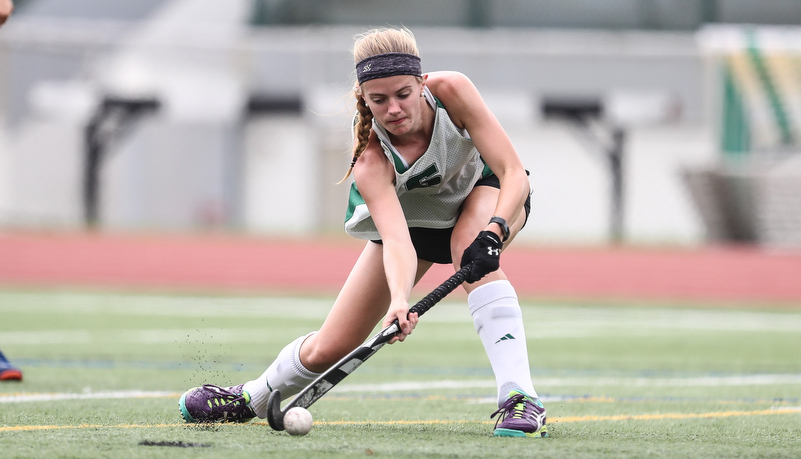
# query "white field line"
(555, 383)
(560, 317)
(205, 335)
(123, 394)
(420, 386)
(553, 328)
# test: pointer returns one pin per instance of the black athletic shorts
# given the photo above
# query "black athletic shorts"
(434, 245)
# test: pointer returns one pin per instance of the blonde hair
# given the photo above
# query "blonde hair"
(367, 44)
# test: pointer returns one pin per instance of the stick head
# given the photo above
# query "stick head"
(275, 417)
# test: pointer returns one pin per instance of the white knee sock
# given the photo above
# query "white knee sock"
(499, 323)
(286, 374)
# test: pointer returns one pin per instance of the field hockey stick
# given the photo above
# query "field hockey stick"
(348, 364)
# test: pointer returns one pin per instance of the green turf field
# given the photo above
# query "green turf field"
(103, 373)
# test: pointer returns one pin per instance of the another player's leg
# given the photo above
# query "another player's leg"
(9, 372)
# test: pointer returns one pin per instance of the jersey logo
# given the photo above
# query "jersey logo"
(427, 178)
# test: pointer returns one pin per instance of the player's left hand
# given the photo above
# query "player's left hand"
(484, 254)
(400, 310)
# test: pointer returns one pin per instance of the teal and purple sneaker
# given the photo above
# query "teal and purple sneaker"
(521, 416)
(209, 403)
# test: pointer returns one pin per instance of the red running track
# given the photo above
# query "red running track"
(212, 263)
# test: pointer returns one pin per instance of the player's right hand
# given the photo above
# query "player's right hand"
(400, 310)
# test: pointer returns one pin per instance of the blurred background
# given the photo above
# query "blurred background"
(650, 122)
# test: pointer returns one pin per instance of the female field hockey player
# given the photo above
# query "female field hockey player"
(436, 180)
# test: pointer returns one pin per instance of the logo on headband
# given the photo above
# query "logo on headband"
(387, 64)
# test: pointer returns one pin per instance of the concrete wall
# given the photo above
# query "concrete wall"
(203, 162)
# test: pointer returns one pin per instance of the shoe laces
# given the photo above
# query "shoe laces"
(514, 407)
(224, 397)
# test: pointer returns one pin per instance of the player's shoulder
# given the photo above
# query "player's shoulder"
(373, 153)
(446, 84)
(456, 93)
(372, 160)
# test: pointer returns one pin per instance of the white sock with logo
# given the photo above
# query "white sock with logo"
(499, 322)
(286, 374)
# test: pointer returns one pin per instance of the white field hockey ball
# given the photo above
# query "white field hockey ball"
(298, 421)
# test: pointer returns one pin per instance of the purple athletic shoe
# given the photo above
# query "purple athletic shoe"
(521, 416)
(210, 403)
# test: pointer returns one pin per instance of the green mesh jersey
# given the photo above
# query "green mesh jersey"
(432, 189)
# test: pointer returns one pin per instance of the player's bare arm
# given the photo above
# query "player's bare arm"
(374, 177)
(468, 110)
